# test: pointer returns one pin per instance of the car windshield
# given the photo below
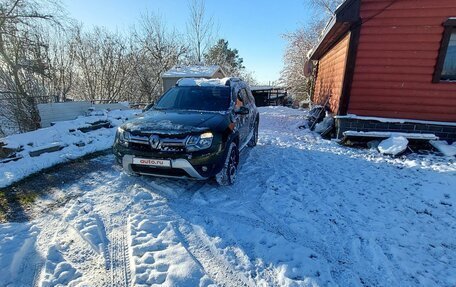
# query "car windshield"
(195, 98)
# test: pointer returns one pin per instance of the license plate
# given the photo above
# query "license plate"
(152, 162)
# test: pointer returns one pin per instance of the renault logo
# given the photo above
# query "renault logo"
(154, 141)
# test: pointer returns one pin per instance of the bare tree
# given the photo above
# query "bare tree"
(200, 30)
(61, 60)
(328, 6)
(23, 60)
(104, 65)
(300, 43)
(158, 49)
(247, 76)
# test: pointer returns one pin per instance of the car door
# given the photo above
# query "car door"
(253, 110)
(244, 120)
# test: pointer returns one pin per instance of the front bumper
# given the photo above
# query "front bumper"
(176, 164)
(196, 165)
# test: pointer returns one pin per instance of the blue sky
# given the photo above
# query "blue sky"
(254, 27)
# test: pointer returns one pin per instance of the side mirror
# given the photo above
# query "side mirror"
(242, 111)
(148, 107)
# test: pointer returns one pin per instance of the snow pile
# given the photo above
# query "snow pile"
(66, 131)
(393, 145)
(190, 82)
(444, 147)
(191, 71)
(73, 142)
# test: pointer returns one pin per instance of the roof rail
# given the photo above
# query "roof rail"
(232, 79)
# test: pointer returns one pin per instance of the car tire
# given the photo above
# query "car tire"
(118, 161)
(228, 174)
(254, 140)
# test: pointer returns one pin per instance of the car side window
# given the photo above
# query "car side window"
(240, 99)
(244, 97)
(250, 97)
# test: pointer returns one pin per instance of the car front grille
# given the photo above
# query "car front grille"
(172, 144)
(139, 146)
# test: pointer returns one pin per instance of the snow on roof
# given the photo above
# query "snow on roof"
(190, 82)
(191, 71)
(258, 88)
(266, 88)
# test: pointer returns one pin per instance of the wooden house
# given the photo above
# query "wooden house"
(389, 65)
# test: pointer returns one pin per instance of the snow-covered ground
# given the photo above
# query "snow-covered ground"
(303, 212)
(74, 143)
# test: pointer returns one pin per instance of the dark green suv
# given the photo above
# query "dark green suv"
(195, 130)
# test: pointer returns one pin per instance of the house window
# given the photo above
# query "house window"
(449, 66)
(446, 63)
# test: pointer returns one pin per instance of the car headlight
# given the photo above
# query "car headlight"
(199, 142)
(123, 136)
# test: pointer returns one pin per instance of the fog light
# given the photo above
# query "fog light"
(204, 168)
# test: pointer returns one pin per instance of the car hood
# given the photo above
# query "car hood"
(175, 122)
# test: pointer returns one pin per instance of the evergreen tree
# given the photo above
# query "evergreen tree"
(220, 54)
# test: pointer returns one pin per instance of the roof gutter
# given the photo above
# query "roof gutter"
(345, 17)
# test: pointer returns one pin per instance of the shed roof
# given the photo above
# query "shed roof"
(344, 18)
(266, 88)
(192, 71)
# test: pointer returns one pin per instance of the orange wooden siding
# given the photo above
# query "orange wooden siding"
(396, 59)
(330, 75)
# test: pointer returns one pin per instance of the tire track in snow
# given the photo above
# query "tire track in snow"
(26, 261)
(119, 257)
(207, 255)
(37, 274)
(76, 253)
(197, 244)
(263, 221)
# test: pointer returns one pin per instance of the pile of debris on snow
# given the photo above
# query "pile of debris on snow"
(396, 143)
(27, 153)
(320, 121)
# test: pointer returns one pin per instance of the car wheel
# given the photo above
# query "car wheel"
(228, 174)
(254, 140)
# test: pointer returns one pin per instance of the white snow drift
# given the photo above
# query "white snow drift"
(303, 212)
(75, 144)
